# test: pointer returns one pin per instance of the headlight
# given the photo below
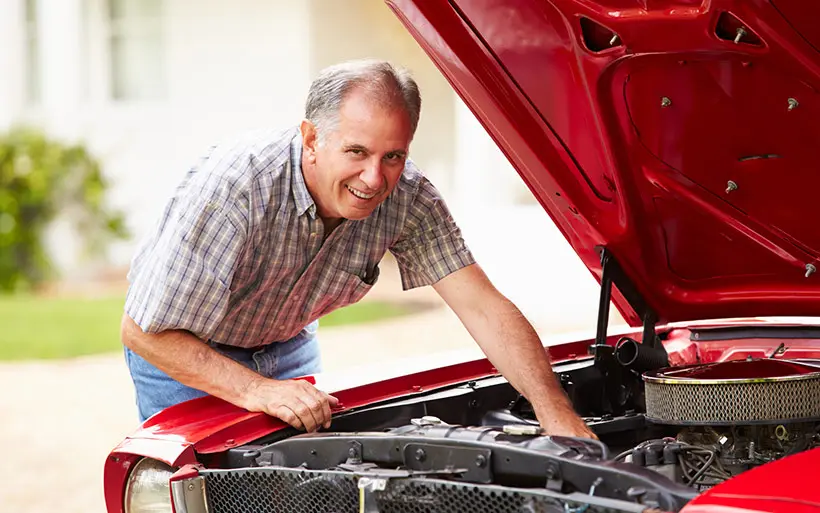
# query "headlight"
(148, 489)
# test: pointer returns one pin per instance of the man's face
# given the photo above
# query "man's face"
(359, 163)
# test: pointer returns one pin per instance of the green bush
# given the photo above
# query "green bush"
(39, 180)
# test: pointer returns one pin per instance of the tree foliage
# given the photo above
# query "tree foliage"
(41, 179)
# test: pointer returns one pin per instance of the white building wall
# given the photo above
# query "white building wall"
(229, 67)
(11, 61)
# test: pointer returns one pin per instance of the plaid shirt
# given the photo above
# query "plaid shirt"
(238, 256)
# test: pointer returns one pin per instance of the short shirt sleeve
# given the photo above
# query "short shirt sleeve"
(430, 245)
(181, 277)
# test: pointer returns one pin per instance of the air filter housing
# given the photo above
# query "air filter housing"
(763, 391)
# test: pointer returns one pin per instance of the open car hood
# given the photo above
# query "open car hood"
(680, 135)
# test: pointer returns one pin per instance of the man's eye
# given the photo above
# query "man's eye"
(393, 156)
(356, 151)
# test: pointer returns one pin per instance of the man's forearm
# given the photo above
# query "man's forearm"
(188, 360)
(513, 346)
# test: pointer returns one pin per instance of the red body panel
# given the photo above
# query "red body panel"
(786, 485)
(630, 142)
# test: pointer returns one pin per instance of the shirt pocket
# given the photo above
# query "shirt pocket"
(352, 287)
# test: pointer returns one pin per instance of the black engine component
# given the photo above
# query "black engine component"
(639, 357)
(515, 456)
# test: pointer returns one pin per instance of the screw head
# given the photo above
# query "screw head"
(793, 103)
(191, 487)
(810, 269)
(730, 186)
(420, 455)
(481, 461)
(739, 34)
(665, 102)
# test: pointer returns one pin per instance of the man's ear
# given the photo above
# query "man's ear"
(309, 139)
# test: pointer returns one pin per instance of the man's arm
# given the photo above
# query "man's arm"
(512, 345)
(188, 360)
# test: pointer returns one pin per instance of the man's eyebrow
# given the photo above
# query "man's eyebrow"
(361, 147)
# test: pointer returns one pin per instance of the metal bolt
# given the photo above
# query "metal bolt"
(481, 461)
(351, 452)
(730, 186)
(665, 102)
(614, 40)
(810, 269)
(420, 455)
(191, 487)
(636, 492)
(793, 104)
(739, 34)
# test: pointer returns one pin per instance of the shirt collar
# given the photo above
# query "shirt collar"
(301, 195)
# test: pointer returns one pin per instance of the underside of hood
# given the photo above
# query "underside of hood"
(680, 135)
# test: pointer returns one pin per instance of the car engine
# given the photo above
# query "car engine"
(666, 434)
(731, 416)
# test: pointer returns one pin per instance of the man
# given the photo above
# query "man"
(271, 232)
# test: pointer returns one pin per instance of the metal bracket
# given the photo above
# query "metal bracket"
(367, 488)
(471, 464)
(188, 495)
(612, 273)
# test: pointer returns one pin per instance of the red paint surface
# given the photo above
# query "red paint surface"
(768, 368)
(589, 135)
(786, 485)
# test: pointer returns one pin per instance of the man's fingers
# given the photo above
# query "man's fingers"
(320, 407)
(332, 400)
(287, 415)
(305, 414)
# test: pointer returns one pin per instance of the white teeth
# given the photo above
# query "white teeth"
(359, 194)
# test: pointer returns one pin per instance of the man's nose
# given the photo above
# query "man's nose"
(372, 176)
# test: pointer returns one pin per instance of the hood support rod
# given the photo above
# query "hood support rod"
(612, 273)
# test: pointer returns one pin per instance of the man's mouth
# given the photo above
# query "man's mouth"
(359, 194)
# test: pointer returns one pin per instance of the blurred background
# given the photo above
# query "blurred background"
(105, 104)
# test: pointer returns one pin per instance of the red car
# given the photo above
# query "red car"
(673, 143)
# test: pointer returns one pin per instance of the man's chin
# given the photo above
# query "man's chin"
(357, 214)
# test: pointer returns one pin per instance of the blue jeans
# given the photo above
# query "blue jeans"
(293, 358)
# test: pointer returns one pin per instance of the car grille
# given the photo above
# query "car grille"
(264, 490)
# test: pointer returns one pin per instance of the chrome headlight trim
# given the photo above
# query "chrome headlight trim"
(189, 495)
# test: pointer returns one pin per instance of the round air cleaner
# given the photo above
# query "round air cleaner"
(763, 391)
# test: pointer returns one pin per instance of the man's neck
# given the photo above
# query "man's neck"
(331, 223)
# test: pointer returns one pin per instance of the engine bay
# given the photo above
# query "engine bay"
(666, 433)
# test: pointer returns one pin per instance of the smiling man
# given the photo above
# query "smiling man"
(272, 231)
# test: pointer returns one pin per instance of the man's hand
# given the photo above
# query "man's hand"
(296, 402)
(566, 423)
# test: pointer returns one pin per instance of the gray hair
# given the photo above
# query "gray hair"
(389, 85)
